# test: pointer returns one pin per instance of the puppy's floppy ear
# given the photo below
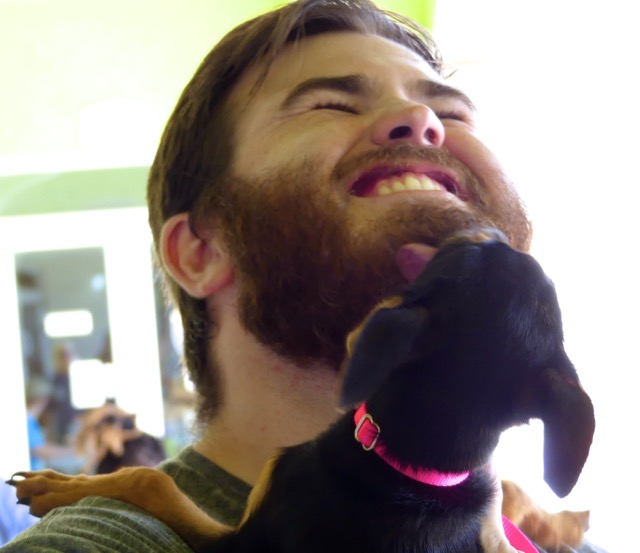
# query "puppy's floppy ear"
(381, 343)
(569, 424)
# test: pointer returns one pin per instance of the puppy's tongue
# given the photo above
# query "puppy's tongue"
(412, 258)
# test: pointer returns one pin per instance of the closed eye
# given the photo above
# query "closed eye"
(452, 115)
(336, 106)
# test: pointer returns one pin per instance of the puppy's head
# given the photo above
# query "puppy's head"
(478, 333)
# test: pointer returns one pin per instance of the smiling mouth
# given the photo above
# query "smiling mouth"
(386, 182)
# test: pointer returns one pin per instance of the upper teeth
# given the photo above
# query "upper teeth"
(409, 181)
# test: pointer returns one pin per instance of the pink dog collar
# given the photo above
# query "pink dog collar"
(367, 433)
(516, 538)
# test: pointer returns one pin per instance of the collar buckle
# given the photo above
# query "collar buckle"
(367, 432)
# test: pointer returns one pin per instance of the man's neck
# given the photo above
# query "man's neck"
(268, 403)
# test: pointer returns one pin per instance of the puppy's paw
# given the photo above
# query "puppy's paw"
(44, 490)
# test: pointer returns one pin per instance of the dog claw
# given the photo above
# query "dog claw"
(15, 478)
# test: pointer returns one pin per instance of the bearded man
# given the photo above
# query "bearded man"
(312, 143)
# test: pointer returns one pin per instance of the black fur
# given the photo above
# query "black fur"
(475, 347)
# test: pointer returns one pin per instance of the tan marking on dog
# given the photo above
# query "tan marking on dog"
(475, 236)
(261, 489)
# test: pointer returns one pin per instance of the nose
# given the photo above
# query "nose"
(410, 123)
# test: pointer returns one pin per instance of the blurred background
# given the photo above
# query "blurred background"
(86, 90)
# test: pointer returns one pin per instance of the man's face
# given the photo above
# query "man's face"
(350, 148)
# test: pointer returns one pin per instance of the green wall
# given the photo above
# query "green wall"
(68, 55)
(72, 191)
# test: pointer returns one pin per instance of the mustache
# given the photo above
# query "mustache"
(411, 153)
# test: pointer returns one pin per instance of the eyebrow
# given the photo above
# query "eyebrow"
(434, 89)
(350, 84)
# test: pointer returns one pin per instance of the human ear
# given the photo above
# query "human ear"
(201, 266)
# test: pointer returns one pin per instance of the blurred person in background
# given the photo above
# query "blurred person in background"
(42, 450)
(61, 414)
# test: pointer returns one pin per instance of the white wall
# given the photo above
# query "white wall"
(557, 88)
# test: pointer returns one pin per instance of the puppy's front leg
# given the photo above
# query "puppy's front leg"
(492, 535)
(146, 488)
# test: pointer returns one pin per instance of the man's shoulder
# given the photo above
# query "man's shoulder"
(98, 525)
(218, 493)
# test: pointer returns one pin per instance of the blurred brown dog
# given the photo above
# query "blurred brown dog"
(109, 439)
(551, 531)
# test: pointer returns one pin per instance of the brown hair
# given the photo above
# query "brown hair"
(197, 143)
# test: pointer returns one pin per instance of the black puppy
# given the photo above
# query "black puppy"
(471, 348)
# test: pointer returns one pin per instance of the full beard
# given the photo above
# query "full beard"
(308, 273)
